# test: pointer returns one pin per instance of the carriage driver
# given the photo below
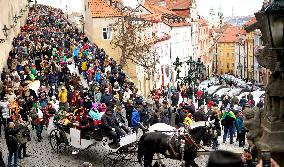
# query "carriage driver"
(110, 126)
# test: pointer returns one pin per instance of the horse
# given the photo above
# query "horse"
(181, 147)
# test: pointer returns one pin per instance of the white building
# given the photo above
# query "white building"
(173, 34)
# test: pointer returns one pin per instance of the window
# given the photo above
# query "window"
(106, 33)
(228, 65)
(228, 53)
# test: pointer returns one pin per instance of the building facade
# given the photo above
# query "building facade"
(13, 15)
(226, 49)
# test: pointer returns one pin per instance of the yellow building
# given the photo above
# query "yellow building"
(226, 49)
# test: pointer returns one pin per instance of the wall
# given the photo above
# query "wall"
(8, 10)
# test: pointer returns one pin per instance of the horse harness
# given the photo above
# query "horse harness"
(179, 153)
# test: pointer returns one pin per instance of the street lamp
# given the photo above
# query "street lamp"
(82, 22)
(21, 12)
(266, 126)
(274, 16)
(240, 68)
(15, 19)
(177, 63)
(5, 31)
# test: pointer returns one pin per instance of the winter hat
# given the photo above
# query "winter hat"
(223, 158)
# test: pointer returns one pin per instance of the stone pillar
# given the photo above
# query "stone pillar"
(272, 123)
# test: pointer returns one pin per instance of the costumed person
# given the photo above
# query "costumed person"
(63, 95)
(188, 121)
(37, 120)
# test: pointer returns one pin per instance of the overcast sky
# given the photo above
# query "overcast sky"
(241, 7)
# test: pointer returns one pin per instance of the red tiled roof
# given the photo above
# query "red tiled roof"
(230, 34)
(250, 22)
(158, 13)
(172, 4)
(183, 13)
(100, 8)
(155, 9)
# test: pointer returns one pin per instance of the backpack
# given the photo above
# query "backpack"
(12, 143)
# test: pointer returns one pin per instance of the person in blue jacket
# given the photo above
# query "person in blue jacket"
(135, 119)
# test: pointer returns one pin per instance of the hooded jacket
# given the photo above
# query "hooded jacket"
(62, 95)
(135, 119)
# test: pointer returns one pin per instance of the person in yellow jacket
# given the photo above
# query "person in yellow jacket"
(188, 121)
(84, 67)
(62, 95)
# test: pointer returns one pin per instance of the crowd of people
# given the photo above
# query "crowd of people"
(41, 81)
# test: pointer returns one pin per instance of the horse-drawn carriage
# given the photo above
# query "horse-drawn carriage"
(62, 136)
(128, 152)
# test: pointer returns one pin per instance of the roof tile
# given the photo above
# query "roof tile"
(100, 8)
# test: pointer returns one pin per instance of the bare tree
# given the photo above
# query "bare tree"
(129, 35)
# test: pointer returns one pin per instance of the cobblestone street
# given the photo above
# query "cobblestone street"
(42, 155)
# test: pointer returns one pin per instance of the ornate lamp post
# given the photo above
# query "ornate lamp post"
(15, 19)
(5, 31)
(82, 22)
(177, 64)
(267, 130)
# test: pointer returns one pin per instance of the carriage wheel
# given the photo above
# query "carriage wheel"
(57, 140)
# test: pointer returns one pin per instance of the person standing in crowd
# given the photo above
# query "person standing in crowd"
(240, 129)
(5, 112)
(180, 116)
(129, 109)
(135, 119)
(215, 121)
(37, 120)
(23, 136)
(228, 121)
(144, 115)
(12, 143)
(200, 114)
(175, 98)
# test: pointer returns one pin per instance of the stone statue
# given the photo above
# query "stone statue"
(252, 123)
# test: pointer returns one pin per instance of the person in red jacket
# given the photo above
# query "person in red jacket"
(199, 94)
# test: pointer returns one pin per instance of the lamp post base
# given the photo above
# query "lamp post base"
(273, 140)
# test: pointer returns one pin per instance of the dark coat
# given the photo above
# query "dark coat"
(11, 141)
(144, 115)
(109, 122)
(106, 98)
(199, 116)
